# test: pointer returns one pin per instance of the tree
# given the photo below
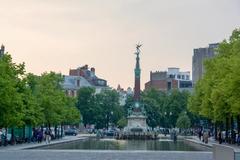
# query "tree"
(72, 115)
(86, 103)
(51, 98)
(11, 104)
(216, 95)
(183, 121)
(152, 105)
(99, 109)
(122, 123)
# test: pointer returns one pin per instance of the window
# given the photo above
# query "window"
(169, 85)
(78, 82)
(72, 93)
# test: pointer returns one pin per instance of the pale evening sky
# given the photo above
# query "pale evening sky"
(56, 35)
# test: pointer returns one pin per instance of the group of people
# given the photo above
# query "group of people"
(39, 135)
(233, 137)
(203, 135)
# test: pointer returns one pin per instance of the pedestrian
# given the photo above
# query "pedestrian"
(47, 136)
(200, 134)
(238, 139)
(39, 136)
(205, 137)
(220, 137)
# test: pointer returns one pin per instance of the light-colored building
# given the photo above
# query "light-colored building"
(173, 78)
(199, 56)
(123, 94)
(82, 77)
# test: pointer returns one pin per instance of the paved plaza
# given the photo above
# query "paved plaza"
(101, 155)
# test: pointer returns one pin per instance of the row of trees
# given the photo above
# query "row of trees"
(165, 108)
(27, 99)
(217, 94)
(99, 109)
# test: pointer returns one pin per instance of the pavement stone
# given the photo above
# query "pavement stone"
(102, 155)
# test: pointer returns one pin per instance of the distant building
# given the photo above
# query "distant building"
(82, 77)
(123, 94)
(170, 79)
(199, 55)
(2, 50)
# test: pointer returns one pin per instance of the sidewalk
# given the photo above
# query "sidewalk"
(65, 139)
(211, 142)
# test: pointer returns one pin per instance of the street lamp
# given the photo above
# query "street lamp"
(170, 114)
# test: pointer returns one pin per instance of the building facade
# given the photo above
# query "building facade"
(82, 77)
(170, 79)
(199, 56)
(123, 94)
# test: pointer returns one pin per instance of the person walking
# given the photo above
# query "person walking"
(220, 137)
(205, 137)
(200, 134)
(47, 136)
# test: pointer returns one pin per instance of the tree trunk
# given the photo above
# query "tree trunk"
(61, 130)
(49, 126)
(12, 137)
(232, 131)
(23, 131)
(55, 131)
(238, 124)
(227, 129)
(6, 140)
(215, 130)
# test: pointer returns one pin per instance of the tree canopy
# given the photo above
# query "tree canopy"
(27, 99)
(216, 95)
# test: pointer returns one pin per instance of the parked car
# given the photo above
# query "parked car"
(71, 131)
(111, 132)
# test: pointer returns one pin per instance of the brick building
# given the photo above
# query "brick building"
(170, 79)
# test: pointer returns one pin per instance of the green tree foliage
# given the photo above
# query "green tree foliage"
(176, 103)
(27, 99)
(122, 123)
(11, 103)
(57, 108)
(86, 103)
(216, 95)
(151, 100)
(163, 108)
(183, 121)
(71, 112)
(99, 109)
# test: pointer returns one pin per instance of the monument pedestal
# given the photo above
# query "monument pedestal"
(137, 124)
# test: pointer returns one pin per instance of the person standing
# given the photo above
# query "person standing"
(220, 137)
(205, 137)
(47, 136)
(200, 134)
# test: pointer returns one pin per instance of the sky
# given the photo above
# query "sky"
(56, 35)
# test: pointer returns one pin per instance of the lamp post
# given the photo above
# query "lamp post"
(168, 120)
(109, 118)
